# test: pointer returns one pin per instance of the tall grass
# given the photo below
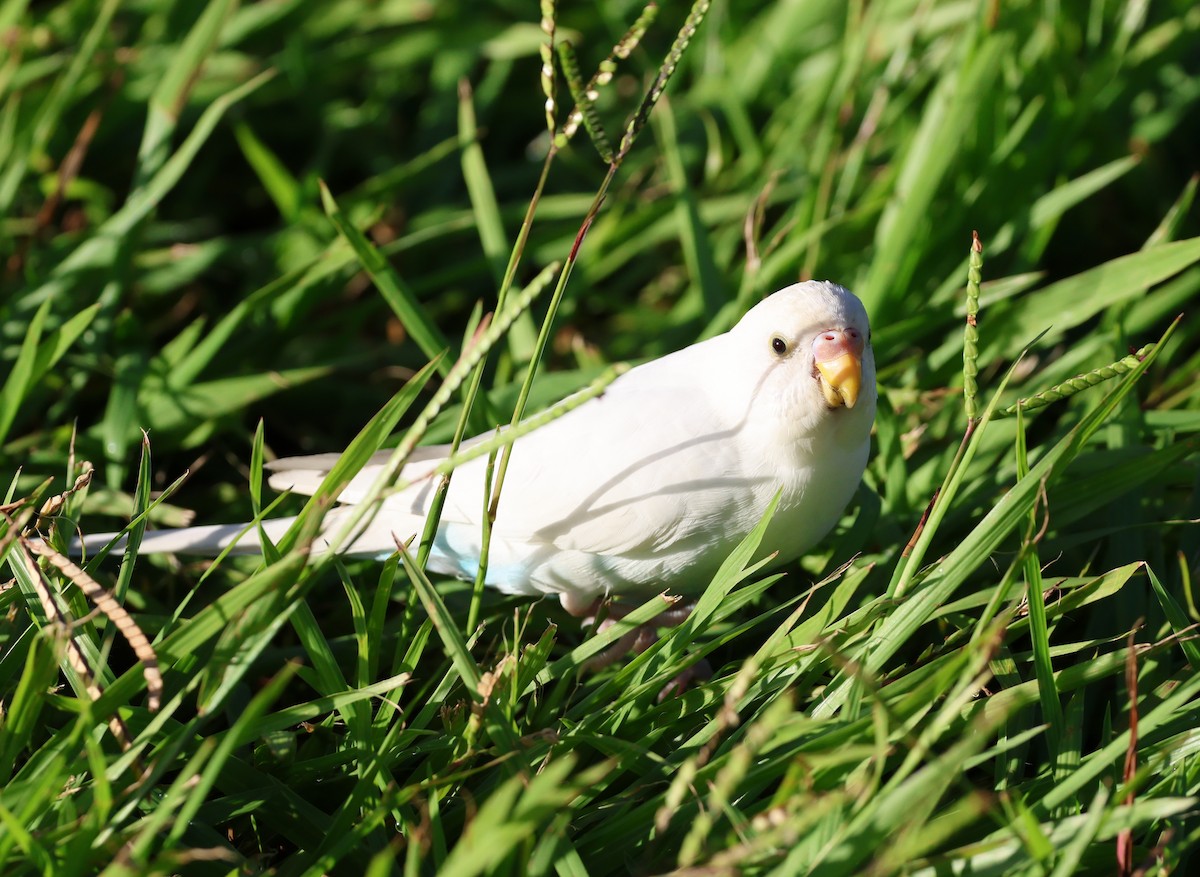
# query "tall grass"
(236, 231)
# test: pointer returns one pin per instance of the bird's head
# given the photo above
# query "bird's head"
(807, 349)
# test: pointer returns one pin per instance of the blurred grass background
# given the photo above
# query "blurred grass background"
(167, 265)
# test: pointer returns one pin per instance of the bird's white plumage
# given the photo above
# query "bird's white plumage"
(651, 484)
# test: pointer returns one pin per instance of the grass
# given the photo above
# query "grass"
(234, 232)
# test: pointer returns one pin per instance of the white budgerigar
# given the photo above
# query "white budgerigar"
(649, 486)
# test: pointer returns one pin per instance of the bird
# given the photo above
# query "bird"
(649, 485)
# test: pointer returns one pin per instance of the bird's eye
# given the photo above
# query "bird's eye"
(779, 345)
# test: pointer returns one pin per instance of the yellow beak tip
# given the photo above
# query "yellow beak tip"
(841, 380)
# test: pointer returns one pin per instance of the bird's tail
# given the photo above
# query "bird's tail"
(203, 541)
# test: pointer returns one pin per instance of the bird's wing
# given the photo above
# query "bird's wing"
(656, 459)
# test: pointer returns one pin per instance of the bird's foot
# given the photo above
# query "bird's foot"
(636, 640)
(701, 671)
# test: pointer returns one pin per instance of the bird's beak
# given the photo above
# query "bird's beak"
(838, 356)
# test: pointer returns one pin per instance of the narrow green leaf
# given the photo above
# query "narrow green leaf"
(395, 292)
(18, 382)
(1181, 625)
(238, 735)
(21, 713)
(272, 173)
